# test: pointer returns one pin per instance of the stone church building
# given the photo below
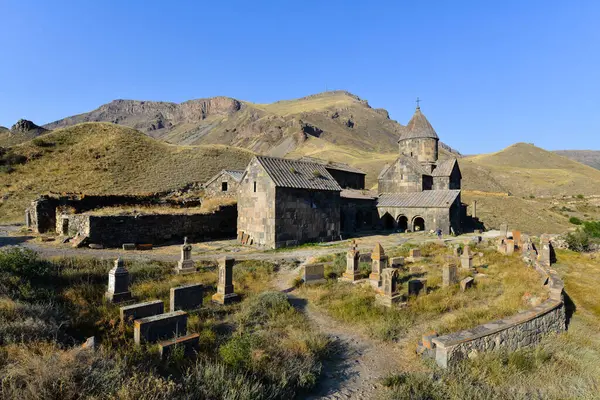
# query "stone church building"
(418, 191)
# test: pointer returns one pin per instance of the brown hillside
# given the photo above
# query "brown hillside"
(107, 158)
(587, 157)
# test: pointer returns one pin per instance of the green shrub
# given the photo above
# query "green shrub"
(259, 309)
(237, 352)
(575, 221)
(580, 196)
(592, 228)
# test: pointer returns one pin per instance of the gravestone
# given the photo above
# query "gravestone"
(378, 263)
(313, 273)
(466, 259)
(365, 257)
(466, 283)
(516, 235)
(144, 246)
(27, 219)
(141, 310)
(128, 246)
(501, 248)
(504, 230)
(239, 236)
(449, 275)
(185, 265)
(188, 297)
(188, 343)
(118, 283)
(160, 327)
(396, 262)
(225, 293)
(414, 255)
(546, 255)
(352, 264)
(388, 294)
(510, 247)
(415, 286)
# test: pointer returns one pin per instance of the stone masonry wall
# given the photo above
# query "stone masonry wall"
(113, 230)
(305, 216)
(256, 209)
(399, 178)
(434, 217)
(424, 149)
(524, 329)
(215, 187)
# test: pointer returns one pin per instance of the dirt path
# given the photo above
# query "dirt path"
(357, 363)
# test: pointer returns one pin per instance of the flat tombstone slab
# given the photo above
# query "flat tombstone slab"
(144, 246)
(415, 286)
(449, 275)
(160, 327)
(188, 343)
(466, 283)
(128, 246)
(396, 262)
(141, 310)
(313, 273)
(188, 297)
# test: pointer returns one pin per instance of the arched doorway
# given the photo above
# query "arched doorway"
(402, 223)
(388, 222)
(418, 224)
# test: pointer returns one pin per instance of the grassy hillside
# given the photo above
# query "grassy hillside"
(107, 158)
(587, 157)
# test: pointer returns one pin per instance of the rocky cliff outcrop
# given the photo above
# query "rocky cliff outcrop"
(24, 126)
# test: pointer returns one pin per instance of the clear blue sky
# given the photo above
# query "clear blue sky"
(490, 73)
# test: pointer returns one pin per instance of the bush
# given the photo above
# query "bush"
(237, 352)
(575, 221)
(22, 272)
(259, 309)
(592, 228)
(580, 196)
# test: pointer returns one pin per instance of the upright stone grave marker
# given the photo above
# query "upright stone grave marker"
(141, 310)
(188, 297)
(185, 265)
(118, 283)
(160, 327)
(396, 262)
(415, 286)
(466, 259)
(379, 263)
(313, 273)
(449, 275)
(546, 255)
(517, 238)
(389, 294)
(414, 255)
(352, 273)
(225, 293)
(510, 247)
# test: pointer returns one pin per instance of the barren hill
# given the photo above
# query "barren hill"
(20, 132)
(107, 158)
(587, 157)
(338, 117)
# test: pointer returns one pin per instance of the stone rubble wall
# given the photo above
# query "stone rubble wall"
(523, 329)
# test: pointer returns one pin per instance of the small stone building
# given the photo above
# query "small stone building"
(287, 202)
(225, 184)
(418, 191)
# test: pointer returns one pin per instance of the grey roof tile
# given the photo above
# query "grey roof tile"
(333, 165)
(418, 127)
(358, 194)
(235, 174)
(444, 168)
(427, 198)
(298, 174)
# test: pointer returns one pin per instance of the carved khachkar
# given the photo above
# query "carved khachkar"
(225, 293)
(185, 264)
(388, 293)
(118, 283)
(378, 263)
(449, 275)
(352, 262)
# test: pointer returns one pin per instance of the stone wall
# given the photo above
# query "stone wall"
(305, 216)
(512, 333)
(347, 179)
(400, 178)
(113, 230)
(434, 218)
(256, 206)
(215, 188)
(424, 149)
(358, 215)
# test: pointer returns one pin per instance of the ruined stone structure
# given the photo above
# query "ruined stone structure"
(224, 184)
(417, 191)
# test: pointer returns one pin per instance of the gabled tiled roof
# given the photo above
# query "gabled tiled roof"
(444, 168)
(235, 174)
(411, 161)
(418, 127)
(333, 165)
(358, 194)
(427, 198)
(298, 174)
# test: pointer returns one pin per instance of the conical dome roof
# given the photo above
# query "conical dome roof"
(418, 127)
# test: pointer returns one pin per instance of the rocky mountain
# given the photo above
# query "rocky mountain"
(337, 117)
(587, 157)
(20, 132)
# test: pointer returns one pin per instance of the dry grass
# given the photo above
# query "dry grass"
(102, 158)
(208, 206)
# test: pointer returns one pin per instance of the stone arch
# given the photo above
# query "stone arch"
(388, 222)
(402, 223)
(418, 224)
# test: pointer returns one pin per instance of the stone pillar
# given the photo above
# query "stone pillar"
(546, 251)
(27, 219)
(388, 295)
(225, 293)
(517, 238)
(466, 258)
(449, 275)
(378, 263)
(185, 265)
(118, 283)
(474, 211)
(352, 261)
(510, 247)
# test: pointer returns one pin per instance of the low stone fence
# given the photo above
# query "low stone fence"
(114, 230)
(512, 333)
